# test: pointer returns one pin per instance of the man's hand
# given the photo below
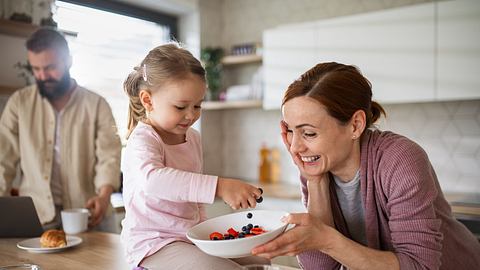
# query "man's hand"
(98, 205)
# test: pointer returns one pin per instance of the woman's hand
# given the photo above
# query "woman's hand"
(310, 233)
(296, 159)
(237, 194)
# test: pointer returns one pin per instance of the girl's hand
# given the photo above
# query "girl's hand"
(237, 194)
(310, 233)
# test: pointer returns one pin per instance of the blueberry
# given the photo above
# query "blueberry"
(215, 238)
(259, 199)
(244, 228)
(256, 226)
(249, 215)
(241, 235)
(250, 226)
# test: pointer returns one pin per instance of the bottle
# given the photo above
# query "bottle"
(274, 165)
(264, 167)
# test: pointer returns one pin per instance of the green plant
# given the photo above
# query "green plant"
(211, 58)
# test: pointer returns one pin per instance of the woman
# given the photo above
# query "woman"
(373, 198)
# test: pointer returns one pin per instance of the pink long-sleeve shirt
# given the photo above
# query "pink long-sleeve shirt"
(163, 191)
(405, 210)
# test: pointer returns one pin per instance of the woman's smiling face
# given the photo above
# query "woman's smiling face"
(320, 141)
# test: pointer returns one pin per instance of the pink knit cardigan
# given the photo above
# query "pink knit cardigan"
(405, 210)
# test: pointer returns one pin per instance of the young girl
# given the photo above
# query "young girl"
(164, 190)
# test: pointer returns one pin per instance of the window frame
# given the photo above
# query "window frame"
(132, 11)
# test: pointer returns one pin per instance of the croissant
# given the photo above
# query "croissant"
(53, 239)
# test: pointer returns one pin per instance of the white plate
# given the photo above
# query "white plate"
(33, 245)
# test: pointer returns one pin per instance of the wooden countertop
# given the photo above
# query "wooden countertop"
(464, 203)
(281, 190)
(97, 251)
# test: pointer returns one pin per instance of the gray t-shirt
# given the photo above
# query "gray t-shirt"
(350, 200)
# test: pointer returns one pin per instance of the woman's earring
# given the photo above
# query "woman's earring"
(354, 137)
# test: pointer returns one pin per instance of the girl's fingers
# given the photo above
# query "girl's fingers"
(252, 201)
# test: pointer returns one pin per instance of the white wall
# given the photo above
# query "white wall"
(12, 51)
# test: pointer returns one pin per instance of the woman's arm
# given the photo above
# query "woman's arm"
(319, 204)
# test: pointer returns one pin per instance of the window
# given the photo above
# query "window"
(105, 47)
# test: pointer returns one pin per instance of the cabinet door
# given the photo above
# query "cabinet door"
(288, 52)
(393, 48)
(458, 49)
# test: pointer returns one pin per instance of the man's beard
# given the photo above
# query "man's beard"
(53, 89)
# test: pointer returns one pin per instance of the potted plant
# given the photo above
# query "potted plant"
(211, 58)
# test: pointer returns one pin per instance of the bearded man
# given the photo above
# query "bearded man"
(62, 137)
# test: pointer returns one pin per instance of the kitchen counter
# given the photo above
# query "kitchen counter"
(281, 190)
(464, 203)
(461, 203)
(97, 251)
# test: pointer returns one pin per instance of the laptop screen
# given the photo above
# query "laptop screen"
(19, 218)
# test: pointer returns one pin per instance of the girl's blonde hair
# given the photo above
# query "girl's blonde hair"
(161, 65)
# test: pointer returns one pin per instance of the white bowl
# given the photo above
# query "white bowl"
(240, 247)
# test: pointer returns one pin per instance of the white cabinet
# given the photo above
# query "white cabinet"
(458, 49)
(288, 52)
(393, 48)
(425, 52)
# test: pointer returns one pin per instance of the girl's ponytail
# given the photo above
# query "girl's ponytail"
(136, 111)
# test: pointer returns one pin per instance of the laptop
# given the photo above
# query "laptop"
(19, 218)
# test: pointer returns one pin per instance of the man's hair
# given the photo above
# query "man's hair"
(46, 38)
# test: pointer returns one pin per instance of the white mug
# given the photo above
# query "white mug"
(75, 220)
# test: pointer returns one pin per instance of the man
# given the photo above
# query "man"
(62, 136)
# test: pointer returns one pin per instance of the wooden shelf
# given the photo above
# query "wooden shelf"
(8, 90)
(241, 59)
(18, 29)
(223, 105)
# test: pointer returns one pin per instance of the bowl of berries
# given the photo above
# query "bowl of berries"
(235, 235)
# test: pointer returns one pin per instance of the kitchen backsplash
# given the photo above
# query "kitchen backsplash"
(448, 131)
